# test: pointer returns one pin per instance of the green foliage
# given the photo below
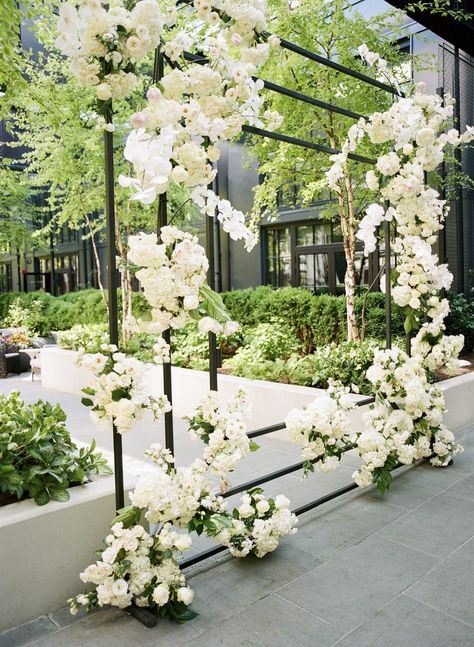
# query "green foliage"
(90, 337)
(316, 319)
(460, 320)
(190, 348)
(333, 31)
(443, 8)
(346, 363)
(38, 459)
(60, 313)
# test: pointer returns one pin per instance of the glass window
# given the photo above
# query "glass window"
(361, 268)
(313, 271)
(278, 260)
(317, 234)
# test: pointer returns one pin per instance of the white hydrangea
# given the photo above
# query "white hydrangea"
(117, 393)
(138, 568)
(323, 427)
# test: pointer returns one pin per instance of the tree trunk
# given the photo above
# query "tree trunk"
(97, 263)
(350, 285)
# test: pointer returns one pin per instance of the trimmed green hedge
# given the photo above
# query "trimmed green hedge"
(63, 312)
(317, 319)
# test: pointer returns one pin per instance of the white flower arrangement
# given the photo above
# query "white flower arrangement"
(323, 427)
(406, 421)
(223, 430)
(172, 272)
(257, 524)
(199, 104)
(176, 495)
(117, 392)
(140, 569)
(106, 43)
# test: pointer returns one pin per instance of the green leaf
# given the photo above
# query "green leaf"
(87, 402)
(253, 446)
(58, 494)
(129, 516)
(42, 498)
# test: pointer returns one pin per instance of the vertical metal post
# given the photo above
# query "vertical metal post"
(162, 221)
(112, 291)
(442, 191)
(459, 189)
(388, 286)
(213, 354)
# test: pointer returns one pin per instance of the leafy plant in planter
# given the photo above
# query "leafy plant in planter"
(38, 459)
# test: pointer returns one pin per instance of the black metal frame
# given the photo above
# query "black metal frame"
(210, 243)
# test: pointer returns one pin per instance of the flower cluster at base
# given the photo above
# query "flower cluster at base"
(105, 44)
(405, 424)
(324, 429)
(257, 525)
(172, 272)
(200, 103)
(140, 569)
(224, 431)
(117, 392)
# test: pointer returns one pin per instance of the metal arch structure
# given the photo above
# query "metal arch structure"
(160, 61)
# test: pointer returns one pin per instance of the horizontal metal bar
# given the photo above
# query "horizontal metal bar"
(280, 89)
(306, 53)
(324, 499)
(303, 143)
(299, 96)
(215, 550)
(266, 430)
(284, 471)
(205, 554)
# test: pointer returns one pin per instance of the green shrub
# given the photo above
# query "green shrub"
(264, 349)
(38, 459)
(317, 319)
(90, 337)
(460, 320)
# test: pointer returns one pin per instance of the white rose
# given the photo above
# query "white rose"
(185, 595)
(262, 507)
(161, 594)
(104, 91)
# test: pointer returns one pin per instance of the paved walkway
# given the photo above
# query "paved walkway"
(360, 572)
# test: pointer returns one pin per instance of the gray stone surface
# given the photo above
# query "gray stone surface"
(438, 526)
(27, 633)
(353, 585)
(449, 587)
(405, 623)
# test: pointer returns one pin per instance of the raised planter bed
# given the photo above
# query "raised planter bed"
(270, 401)
(44, 548)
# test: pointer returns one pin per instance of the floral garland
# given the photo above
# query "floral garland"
(257, 525)
(405, 424)
(223, 430)
(199, 104)
(141, 569)
(117, 393)
(324, 429)
(195, 106)
(172, 273)
(106, 44)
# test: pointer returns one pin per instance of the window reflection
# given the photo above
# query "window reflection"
(313, 271)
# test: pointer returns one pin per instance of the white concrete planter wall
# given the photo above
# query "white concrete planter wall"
(270, 401)
(44, 548)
